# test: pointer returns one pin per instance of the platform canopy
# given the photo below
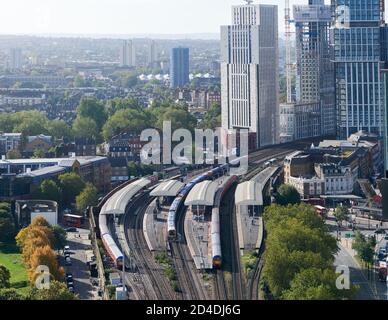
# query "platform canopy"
(119, 201)
(249, 193)
(167, 189)
(202, 194)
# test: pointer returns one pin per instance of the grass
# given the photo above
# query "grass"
(11, 258)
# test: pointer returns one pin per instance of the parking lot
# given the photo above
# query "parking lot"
(80, 249)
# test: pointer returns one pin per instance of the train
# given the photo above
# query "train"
(109, 244)
(215, 223)
(178, 201)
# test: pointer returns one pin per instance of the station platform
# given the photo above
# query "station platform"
(250, 228)
(155, 227)
(198, 239)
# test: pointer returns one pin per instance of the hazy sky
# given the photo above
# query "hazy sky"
(120, 16)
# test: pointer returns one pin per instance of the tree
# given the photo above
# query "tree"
(85, 128)
(71, 185)
(7, 228)
(10, 294)
(365, 248)
(45, 256)
(287, 194)
(5, 277)
(57, 291)
(297, 239)
(49, 190)
(93, 109)
(212, 119)
(39, 153)
(88, 197)
(341, 213)
(126, 119)
(13, 154)
(316, 284)
(59, 129)
(59, 237)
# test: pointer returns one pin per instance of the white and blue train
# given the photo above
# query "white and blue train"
(177, 203)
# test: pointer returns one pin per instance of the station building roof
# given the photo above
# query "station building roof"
(202, 194)
(249, 193)
(119, 201)
(167, 189)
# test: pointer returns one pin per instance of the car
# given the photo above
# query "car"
(386, 237)
(66, 248)
(69, 277)
(70, 284)
(380, 231)
(71, 289)
(71, 229)
(68, 261)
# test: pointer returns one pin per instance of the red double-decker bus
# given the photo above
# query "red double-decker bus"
(72, 220)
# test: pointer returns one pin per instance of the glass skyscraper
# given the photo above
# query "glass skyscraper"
(359, 57)
(180, 67)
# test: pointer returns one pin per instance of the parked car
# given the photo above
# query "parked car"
(71, 229)
(69, 277)
(68, 261)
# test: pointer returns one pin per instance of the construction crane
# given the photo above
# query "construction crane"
(289, 65)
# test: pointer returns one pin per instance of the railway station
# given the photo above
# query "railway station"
(201, 197)
(117, 204)
(167, 191)
(200, 201)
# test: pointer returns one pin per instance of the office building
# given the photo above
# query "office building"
(249, 73)
(359, 58)
(152, 54)
(127, 54)
(15, 59)
(179, 67)
(314, 67)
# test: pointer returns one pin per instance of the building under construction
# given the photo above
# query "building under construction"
(315, 82)
(313, 112)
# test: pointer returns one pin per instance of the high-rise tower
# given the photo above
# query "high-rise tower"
(249, 72)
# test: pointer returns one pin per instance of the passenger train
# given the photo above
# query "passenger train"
(177, 203)
(215, 223)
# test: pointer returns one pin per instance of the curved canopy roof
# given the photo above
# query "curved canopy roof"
(202, 194)
(167, 189)
(119, 201)
(249, 193)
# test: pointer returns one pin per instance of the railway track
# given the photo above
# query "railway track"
(184, 265)
(160, 288)
(220, 288)
(254, 281)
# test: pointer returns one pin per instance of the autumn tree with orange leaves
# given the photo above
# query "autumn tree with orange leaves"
(37, 242)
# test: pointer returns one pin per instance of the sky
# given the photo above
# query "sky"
(110, 17)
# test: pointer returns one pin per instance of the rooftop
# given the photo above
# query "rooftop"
(167, 189)
(202, 194)
(249, 193)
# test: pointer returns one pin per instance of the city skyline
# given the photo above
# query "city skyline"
(118, 17)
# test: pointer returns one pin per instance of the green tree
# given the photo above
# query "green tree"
(93, 109)
(317, 284)
(126, 119)
(341, 213)
(212, 119)
(7, 228)
(59, 129)
(298, 239)
(38, 154)
(71, 185)
(49, 190)
(10, 294)
(364, 247)
(5, 277)
(59, 237)
(85, 128)
(13, 154)
(287, 194)
(57, 291)
(88, 197)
